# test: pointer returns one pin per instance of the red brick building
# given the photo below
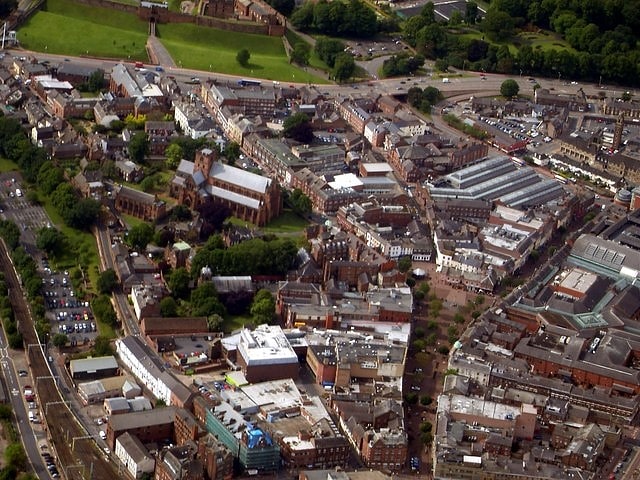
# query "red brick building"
(139, 204)
(250, 197)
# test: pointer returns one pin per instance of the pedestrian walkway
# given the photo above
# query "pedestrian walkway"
(157, 52)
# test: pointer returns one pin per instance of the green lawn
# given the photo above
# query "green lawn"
(205, 49)
(8, 166)
(131, 221)
(544, 41)
(234, 322)
(287, 223)
(80, 29)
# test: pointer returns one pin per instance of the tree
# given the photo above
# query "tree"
(96, 81)
(243, 56)
(5, 412)
(179, 282)
(285, 7)
(344, 67)
(139, 236)
(50, 240)
(263, 307)
(139, 147)
(59, 340)
(214, 214)
(231, 152)
(181, 213)
(215, 322)
(14, 455)
(103, 310)
(83, 214)
(49, 177)
(327, 49)
(174, 154)
(301, 53)
(300, 203)
(102, 346)
(148, 183)
(471, 12)
(404, 264)
(411, 398)
(298, 127)
(431, 339)
(10, 233)
(135, 122)
(509, 88)
(498, 25)
(168, 307)
(107, 281)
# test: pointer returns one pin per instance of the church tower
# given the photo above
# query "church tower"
(617, 132)
(204, 161)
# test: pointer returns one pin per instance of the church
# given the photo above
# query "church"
(252, 198)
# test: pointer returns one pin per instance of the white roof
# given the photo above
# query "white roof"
(348, 180)
(238, 176)
(266, 345)
(377, 167)
(48, 82)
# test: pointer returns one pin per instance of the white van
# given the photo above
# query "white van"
(18, 192)
(445, 80)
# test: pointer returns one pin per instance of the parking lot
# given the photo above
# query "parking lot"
(68, 314)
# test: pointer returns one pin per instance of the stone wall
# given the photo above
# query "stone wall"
(163, 15)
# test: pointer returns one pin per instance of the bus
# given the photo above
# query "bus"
(561, 179)
(244, 82)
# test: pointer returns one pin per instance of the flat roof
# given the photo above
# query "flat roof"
(128, 421)
(283, 393)
(382, 167)
(93, 364)
(579, 280)
(266, 345)
(478, 407)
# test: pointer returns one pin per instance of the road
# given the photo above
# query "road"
(470, 83)
(28, 435)
(121, 304)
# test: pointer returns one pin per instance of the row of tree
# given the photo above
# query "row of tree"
(402, 64)
(423, 100)
(600, 49)
(260, 256)
(332, 52)
(337, 18)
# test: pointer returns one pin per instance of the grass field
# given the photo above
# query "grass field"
(8, 166)
(287, 223)
(83, 30)
(543, 41)
(215, 50)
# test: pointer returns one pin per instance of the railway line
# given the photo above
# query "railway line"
(77, 454)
